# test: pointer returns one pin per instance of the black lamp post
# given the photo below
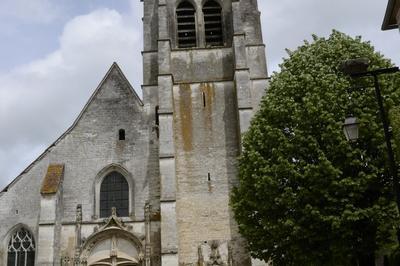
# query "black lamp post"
(358, 68)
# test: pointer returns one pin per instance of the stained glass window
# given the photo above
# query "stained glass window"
(114, 192)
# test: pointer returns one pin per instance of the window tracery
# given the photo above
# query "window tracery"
(114, 192)
(21, 249)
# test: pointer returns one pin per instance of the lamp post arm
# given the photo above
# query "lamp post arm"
(375, 72)
(392, 164)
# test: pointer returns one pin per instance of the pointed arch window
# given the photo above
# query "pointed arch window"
(213, 23)
(114, 192)
(186, 20)
(21, 249)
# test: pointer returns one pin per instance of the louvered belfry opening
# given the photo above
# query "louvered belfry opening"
(213, 23)
(185, 14)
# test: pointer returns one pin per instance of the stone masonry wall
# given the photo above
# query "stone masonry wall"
(207, 144)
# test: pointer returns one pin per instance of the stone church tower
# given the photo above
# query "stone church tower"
(147, 182)
(204, 73)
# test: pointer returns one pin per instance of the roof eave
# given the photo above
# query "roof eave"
(387, 24)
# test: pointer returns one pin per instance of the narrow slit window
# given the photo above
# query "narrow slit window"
(213, 23)
(204, 99)
(157, 121)
(185, 15)
(156, 114)
(121, 134)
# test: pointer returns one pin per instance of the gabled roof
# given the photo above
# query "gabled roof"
(390, 20)
(114, 68)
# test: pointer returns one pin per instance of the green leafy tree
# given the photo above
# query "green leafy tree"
(306, 195)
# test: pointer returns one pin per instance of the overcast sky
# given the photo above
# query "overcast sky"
(53, 54)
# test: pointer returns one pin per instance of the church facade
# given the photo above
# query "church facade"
(147, 182)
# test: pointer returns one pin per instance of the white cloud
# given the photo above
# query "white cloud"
(287, 23)
(39, 100)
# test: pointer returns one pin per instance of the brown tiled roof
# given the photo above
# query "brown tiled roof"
(53, 179)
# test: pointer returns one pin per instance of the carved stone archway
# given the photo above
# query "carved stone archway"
(113, 244)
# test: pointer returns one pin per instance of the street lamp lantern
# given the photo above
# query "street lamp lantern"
(350, 129)
(354, 66)
(359, 68)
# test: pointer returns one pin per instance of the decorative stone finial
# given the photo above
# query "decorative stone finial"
(215, 257)
(147, 211)
(113, 211)
(141, 256)
(213, 252)
(79, 213)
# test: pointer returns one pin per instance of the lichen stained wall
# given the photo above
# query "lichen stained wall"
(206, 144)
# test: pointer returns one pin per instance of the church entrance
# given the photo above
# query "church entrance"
(114, 251)
(114, 244)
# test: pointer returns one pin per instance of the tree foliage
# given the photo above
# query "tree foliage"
(306, 195)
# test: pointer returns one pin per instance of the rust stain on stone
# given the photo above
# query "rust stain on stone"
(185, 110)
(156, 216)
(208, 91)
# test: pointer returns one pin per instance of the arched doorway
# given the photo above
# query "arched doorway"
(112, 245)
(114, 251)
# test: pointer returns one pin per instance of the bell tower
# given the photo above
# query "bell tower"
(204, 72)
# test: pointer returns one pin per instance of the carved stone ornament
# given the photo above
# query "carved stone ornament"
(147, 211)
(113, 220)
(79, 213)
(214, 253)
(66, 261)
(112, 231)
(113, 211)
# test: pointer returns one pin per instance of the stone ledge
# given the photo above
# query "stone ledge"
(169, 251)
